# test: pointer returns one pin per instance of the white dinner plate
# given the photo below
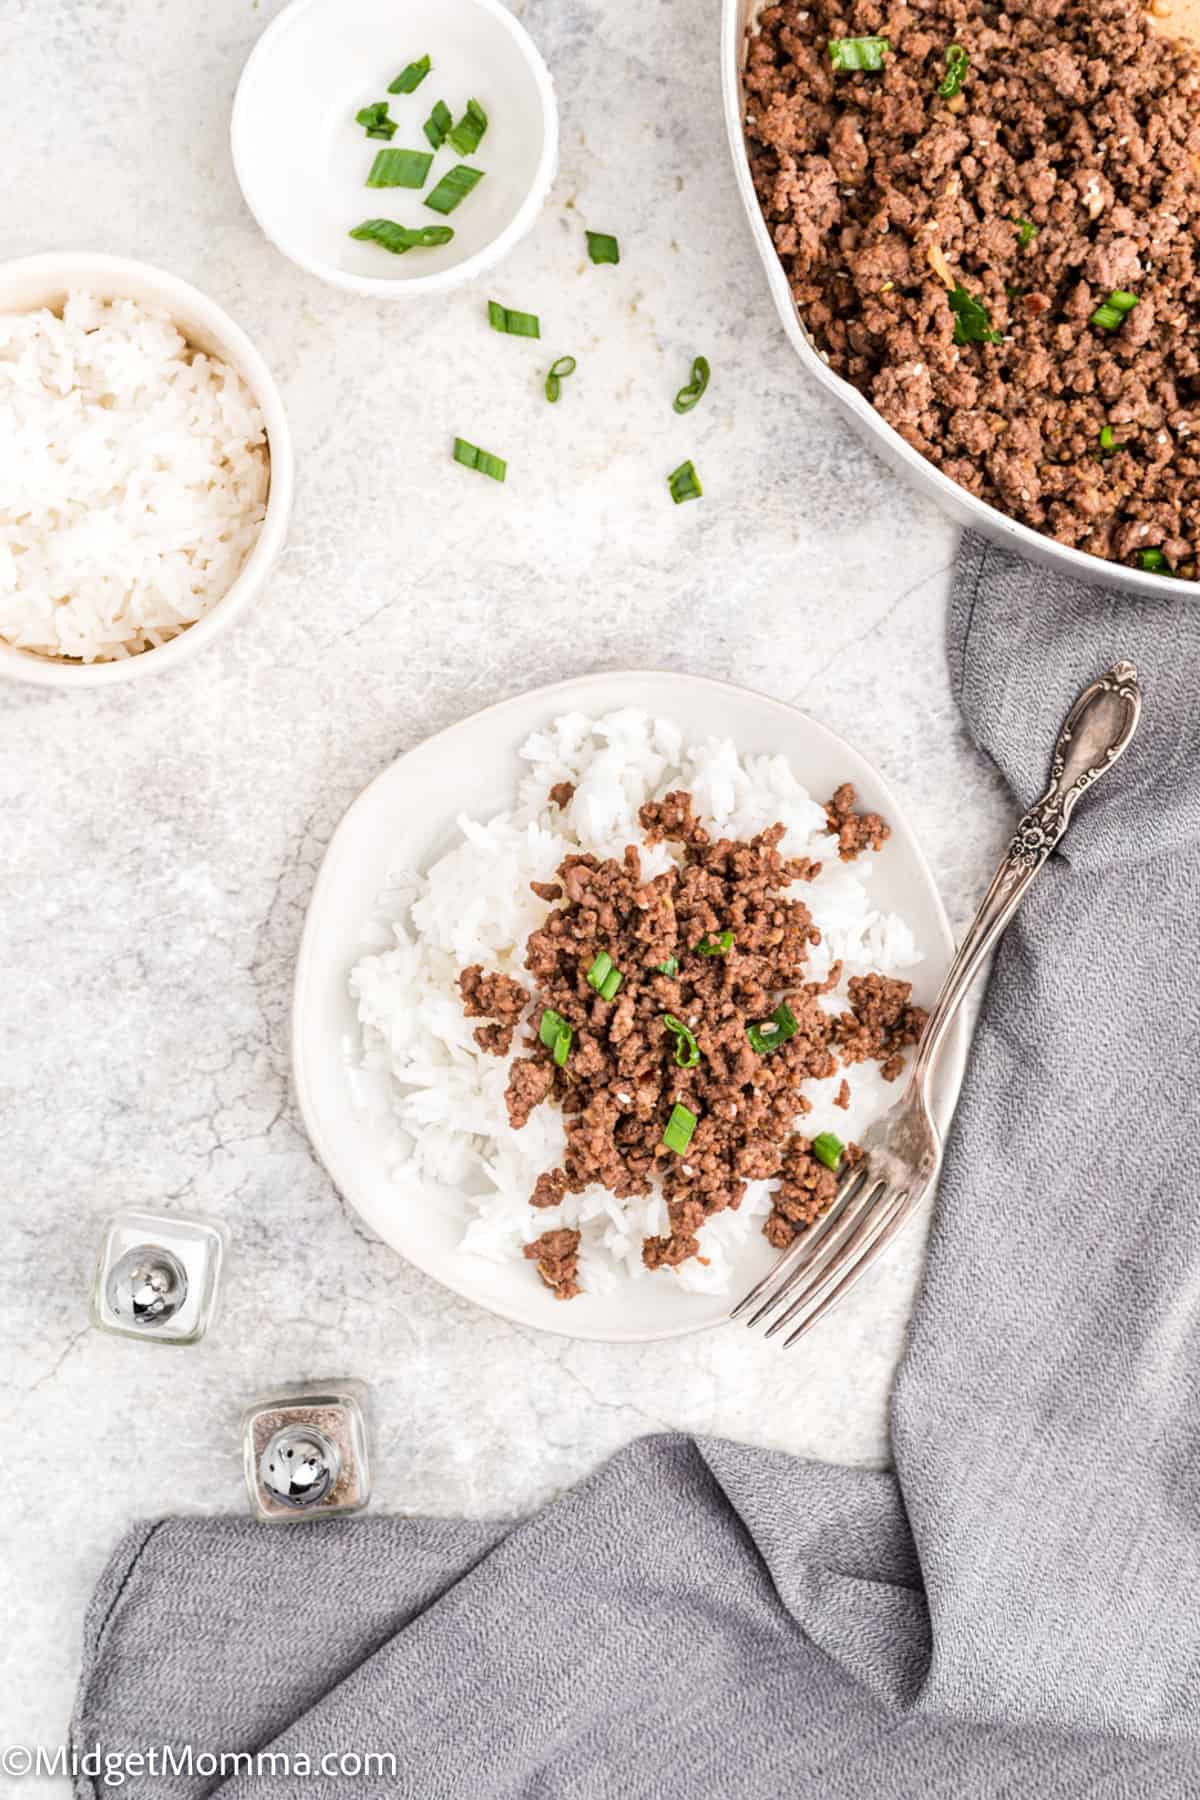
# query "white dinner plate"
(407, 816)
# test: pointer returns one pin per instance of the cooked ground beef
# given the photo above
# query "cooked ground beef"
(562, 793)
(621, 1078)
(881, 195)
(496, 997)
(855, 832)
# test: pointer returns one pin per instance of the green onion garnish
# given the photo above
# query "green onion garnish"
(956, 69)
(437, 125)
(972, 325)
(609, 986)
(680, 1127)
(858, 53)
(1026, 232)
(465, 136)
(828, 1149)
(556, 1034)
(400, 168)
(599, 969)
(603, 248)
(1111, 312)
(1108, 439)
(1154, 562)
(558, 373)
(453, 188)
(688, 396)
(684, 483)
(375, 122)
(410, 79)
(687, 1050)
(670, 967)
(715, 944)
(399, 238)
(774, 1032)
(517, 324)
(471, 457)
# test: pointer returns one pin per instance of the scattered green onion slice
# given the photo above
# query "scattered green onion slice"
(375, 122)
(774, 1032)
(399, 238)
(516, 324)
(611, 983)
(687, 1050)
(1154, 562)
(1111, 312)
(972, 324)
(471, 457)
(828, 1149)
(1108, 439)
(556, 1034)
(437, 125)
(684, 483)
(400, 168)
(558, 373)
(599, 969)
(453, 188)
(602, 247)
(680, 1127)
(688, 396)
(410, 79)
(466, 135)
(718, 943)
(1026, 232)
(855, 54)
(670, 967)
(956, 69)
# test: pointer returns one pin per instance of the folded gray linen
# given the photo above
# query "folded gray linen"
(1013, 1613)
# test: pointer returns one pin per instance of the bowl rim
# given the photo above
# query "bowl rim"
(380, 287)
(145, 281)
(737, 17)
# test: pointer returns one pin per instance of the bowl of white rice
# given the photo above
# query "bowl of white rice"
(145, 470)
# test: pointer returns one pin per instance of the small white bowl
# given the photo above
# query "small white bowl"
(37, 281)
(302, 161)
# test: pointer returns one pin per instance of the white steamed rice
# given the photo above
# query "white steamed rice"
(133, 479)
(475, 905)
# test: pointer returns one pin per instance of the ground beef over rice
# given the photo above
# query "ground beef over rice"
(669, 938)
(881, 195)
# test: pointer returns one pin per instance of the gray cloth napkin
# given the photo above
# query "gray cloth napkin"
(1015, 1613)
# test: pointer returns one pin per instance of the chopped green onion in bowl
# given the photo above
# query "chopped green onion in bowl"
(466, 135)
(687, 1050)
(684, 483)
(516, 324)
(559, 370)
(375, 121)
(829, 1149)
(689, 396)
(400, 168)
(602, 247)
(453, 188)
(410, 79)
(858, 54)
(437, 125)
(680, 1126)
(399, 238)
(472, 457)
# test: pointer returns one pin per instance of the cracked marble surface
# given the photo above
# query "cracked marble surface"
(160, 841)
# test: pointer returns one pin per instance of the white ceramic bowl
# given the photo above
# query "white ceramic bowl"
(961, 506)
(302, 161)
(36, 281)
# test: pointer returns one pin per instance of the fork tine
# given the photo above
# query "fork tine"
(854, 1222)
(804, 1242)
(780, 1279)
(850, 1271)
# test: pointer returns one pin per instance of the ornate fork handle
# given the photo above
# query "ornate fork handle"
(1096, 731)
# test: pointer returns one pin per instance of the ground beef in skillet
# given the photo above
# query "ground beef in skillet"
(880, 195)
(620, 1081)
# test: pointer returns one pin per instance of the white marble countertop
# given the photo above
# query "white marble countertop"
(160, 841)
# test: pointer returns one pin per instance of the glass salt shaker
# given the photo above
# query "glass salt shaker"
(157, 1276)
(305, 1452)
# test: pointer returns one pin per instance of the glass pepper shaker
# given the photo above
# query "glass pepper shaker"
(305, 1452)
(157, 1276)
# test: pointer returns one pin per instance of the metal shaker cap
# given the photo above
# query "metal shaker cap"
(147, 1286)
(300, 1466)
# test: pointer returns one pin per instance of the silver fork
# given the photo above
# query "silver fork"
(903, 1151)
